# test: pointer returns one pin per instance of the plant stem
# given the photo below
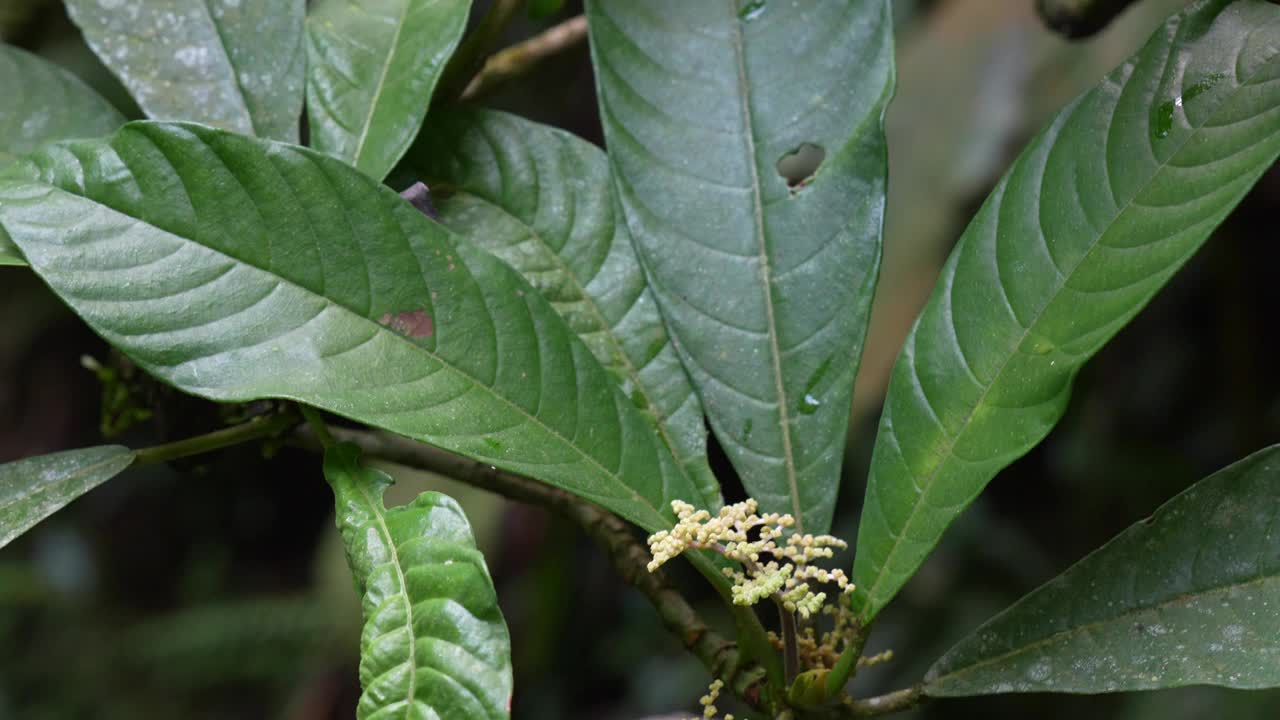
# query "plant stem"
(630, 557)
(790, 651)
(520, 58)
(256, 428)
(847, 665)
(317, 424)
(474, 49)
(893, 702)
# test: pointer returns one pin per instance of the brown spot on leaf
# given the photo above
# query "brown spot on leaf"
(411, 323)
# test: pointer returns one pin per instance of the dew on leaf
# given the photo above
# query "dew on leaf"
(751, 9)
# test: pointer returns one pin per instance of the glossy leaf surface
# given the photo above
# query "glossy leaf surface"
(1187, 596)
(541, 200)
(434, 643)
(237, 268)
(32, 489)
(234, 64)
(43, 102)
(764, 280)
(373, 65)
(1092, 219)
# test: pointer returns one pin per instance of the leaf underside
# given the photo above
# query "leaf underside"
(434, 643)
(766, 288)
(1092, 219)
(372, 66)
(1188, 596)
(234, 64)
(236, 268)
(34, 488)
(541, 200)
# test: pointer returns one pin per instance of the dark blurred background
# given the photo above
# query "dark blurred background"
(217, 588)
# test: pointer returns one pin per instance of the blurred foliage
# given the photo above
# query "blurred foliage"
(217, 588)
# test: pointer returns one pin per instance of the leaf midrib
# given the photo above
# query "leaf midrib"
(379, 513)
(38, 488)
(1087, 628)
(948, 448)
(475, 382)
(766, 271)
(382, 79)
(235, 76)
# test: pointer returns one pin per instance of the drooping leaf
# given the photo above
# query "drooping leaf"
(43, 103)
(34, 488)
(1188, 596)
(235, 64)
(237, 268)
(372, 66)
(541, 200)
(1092, 219)
(434, 643)
(765, 281)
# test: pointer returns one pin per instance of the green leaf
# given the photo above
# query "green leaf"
(434, 642)
(237, 268)
(235, 64)
(9, 253)
(32, 489)
(372, 66)
(540, 199)
(1187, 596)
(43, 103)
(766, 288)
(1092, 219)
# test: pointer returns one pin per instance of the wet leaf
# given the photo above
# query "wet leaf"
(541, 200)
(1188, 596)
(1094, 217)
(434, 643)
(763, 264)
(234, 64)
(237, 269)
(34, 488)
(373, 65)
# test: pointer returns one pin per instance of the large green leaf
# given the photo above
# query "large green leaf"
(43, 103)
(372, 66)
(237, 268)
(236, 64)
(1092, 219)
(765, 287)
(1187, 596)
(434, 642)
(32, 489)
(540, 199)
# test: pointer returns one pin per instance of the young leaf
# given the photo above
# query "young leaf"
(235, 64)
(1187, 596)
(237, 268)
(540, 199)
(434, 643)
(372, 66)
(32, 489)
(43, 103)
(1092, 219)
(765, 281)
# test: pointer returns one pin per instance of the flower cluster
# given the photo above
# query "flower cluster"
(708, 701)
(776, 562)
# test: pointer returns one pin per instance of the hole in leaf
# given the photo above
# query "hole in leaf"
(799, 166)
